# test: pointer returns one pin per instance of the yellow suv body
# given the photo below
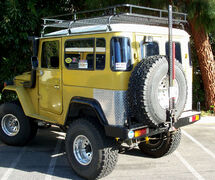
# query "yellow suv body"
(105, 84)
(85, 71)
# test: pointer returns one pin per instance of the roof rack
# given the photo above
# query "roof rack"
(125, 13)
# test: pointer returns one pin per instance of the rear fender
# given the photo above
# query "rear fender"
(78, 102)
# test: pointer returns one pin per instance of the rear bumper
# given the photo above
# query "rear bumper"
(187, 118)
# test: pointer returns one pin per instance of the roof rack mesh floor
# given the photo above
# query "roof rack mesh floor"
(116, 14)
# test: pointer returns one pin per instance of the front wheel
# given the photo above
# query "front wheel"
(91, 154)
(161, 144)
(15, 127)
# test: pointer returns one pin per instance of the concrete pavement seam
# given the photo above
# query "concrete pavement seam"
(199, 144)
(188, 166)
(53, 161)
(13, 165)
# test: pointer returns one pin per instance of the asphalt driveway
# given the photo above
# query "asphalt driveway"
(44, 158)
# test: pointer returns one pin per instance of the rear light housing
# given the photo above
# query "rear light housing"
(141, 132)
(194, 118)
(137, 133)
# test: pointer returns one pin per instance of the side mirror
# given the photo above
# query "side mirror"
(35, 44)
(34, 62)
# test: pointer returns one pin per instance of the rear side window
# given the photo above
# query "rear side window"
(177, 50)
(100, 60)
(100, 53)
(86, 54)
(77, 54)
(149, 49)
(120, 54)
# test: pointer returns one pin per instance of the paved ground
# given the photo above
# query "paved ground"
(44, 158)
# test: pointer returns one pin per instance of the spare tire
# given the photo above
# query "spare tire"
(148, 97)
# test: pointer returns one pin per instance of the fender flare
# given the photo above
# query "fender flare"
(92, 103)
(111, 131)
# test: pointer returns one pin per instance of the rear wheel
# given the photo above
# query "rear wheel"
(91, 154)
(15, 127)
(161, 144)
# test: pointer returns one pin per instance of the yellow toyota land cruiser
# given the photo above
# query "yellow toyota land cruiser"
(123, 76)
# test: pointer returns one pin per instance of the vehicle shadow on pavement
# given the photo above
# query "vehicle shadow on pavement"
(43, 156)
(38, 159)
(133, 152)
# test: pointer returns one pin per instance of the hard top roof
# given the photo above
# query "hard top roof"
(146, 29)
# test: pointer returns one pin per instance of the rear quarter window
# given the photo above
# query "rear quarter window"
(177, 50)
(120, 54)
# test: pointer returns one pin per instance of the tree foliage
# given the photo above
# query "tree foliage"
(19, 20)
(204, 13)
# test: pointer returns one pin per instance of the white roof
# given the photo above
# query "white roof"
(146, 29)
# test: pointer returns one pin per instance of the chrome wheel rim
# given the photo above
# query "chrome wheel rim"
(10, 125)
(163, 92)
(82, 150)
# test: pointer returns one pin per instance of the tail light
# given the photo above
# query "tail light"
(137, 133)
(140, 132)
(194, 118)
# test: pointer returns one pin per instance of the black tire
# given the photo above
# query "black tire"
(105, 151)
(144, 94)
(34, 129)
(24, 134)
(164, 145)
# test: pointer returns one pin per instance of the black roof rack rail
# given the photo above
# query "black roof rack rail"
(124, 13)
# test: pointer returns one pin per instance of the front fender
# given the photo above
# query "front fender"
(23, 97)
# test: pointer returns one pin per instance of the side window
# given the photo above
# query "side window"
(190, 54)
(79, 54)
(90, 59)
(177, 50)
(50, 54)
(149, 49)
(100, 53)
(120, 54)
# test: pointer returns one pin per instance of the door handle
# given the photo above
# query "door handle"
(56, 86)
